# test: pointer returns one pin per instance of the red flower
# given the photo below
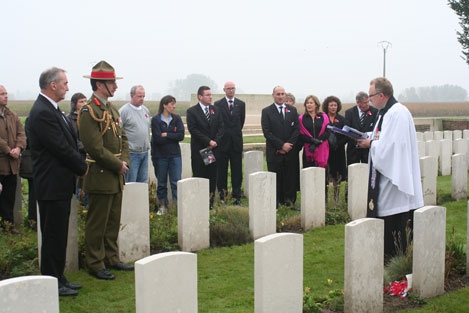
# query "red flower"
(212, 112)
(336, 120)
(287, 110)
(368, 112)
(146, 115)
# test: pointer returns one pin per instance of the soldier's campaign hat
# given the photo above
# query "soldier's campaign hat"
(102, 71)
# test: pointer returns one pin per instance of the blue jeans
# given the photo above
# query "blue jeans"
(138, 169)
(164, 168)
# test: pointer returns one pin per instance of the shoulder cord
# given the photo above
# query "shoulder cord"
(106, 118)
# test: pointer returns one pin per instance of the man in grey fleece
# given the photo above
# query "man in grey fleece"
(136, 119)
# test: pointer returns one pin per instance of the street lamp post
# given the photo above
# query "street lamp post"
(385, 45)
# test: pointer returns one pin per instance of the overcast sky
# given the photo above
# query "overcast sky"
(307, 46)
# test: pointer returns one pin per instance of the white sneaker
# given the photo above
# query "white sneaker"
(162, 210)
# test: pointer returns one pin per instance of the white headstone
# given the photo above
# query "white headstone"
(364, 266)
(166, 282)
(134, 234)
(437, 135)
(253, 162)
(448, 134)
(278, 273)
(421, 148)
(420, 136)
(262, 204)
(186, 160)
(428, 270)
(428, 135)
(465, 134)
(18, 206)
(432, 148)
(193, 214)
(457, 134)
(313, 201)
(357, 190)
(29, 294)
(446, 148)
(429, 173)
(71, 259)
(459, 177)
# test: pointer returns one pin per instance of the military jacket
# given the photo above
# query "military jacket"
(106, 146)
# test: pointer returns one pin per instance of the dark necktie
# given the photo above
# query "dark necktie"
(64, 118)
(281, 112)
(207, 113)
(362, 118)
(230, 106)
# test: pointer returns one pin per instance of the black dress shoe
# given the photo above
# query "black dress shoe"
(73, 286)
(64, 282)
(65, 291)
(238, 202)
(121, 266)
(104, 274)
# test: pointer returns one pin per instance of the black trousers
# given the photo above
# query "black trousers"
(54, 217)
(7, 197)
(235, 161)
(32, 210)
(285, 168)
(199, 169)
(395, 236)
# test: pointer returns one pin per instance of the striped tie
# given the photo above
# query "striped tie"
(207, 113)
(362, 118)
(230, 106)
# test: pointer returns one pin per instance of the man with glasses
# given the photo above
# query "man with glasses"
(360, 117)
(233, 112)
(395, 188)
(205, 125)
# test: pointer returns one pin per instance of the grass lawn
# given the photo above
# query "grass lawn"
(226, 275)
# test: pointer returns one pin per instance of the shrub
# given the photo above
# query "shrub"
(229, 226)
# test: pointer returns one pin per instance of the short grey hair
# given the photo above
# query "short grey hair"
(134, 89)
(49, 76)
(360, 96)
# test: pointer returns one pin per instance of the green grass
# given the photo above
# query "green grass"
(226, 275)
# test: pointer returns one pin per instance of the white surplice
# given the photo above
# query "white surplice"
(395, 156)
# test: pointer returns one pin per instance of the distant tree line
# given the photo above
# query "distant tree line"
(183, 88)
(451, 93)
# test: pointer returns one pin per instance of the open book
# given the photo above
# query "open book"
(348, 131)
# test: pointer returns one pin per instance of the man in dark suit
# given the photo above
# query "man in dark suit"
(205, 125)
(230, 150)
(56, 164)
(361, 117)
(281, 128)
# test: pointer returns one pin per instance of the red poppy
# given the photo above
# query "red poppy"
(368, 112)
(212, 112)
(287, 110)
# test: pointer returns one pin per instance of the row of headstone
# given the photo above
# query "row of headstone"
(278, 265)
(443, 145)
(162, 280)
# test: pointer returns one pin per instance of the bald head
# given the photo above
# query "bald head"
(229, 88)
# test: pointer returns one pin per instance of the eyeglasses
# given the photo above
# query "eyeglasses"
(373, 94)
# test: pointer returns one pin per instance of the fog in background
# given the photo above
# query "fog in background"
(309, 47)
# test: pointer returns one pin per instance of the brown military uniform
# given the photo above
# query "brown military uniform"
(106, 145)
